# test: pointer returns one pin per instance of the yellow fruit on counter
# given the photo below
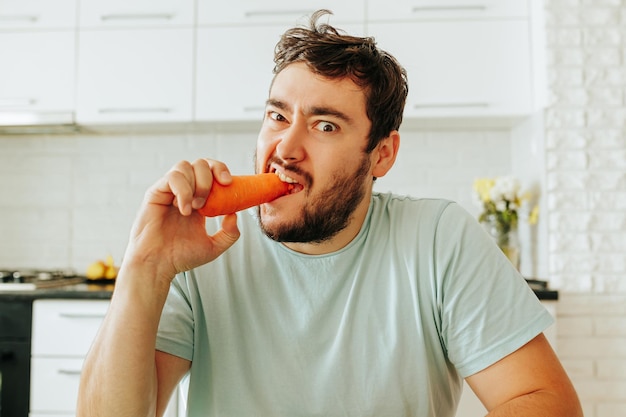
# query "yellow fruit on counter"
(96, 270)
(110, 272)
(102, 269)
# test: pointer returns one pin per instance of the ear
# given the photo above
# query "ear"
(384, 156)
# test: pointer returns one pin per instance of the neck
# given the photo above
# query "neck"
(341, 239)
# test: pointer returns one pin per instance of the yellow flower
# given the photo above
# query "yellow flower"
(533, 217)
(483, 187)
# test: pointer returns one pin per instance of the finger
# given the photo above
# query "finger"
(181, 183)
(227, 235)
(220, 171)
(203, 180)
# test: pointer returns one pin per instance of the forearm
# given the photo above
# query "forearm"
(539, 404)
(119, 373)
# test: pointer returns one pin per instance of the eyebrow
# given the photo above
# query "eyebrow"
(313, 111)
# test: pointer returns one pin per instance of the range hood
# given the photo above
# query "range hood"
(37, 122)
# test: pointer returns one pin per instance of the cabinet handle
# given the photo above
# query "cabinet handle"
(138, 16)
(479, 7)
(17, 102)
(82, 315)
(447, 105)
(69, 371)
(135, 110)
(263, 13)
(30, 18)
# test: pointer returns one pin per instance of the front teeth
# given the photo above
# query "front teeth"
(285, 178)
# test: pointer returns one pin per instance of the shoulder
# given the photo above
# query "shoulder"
(407, 210)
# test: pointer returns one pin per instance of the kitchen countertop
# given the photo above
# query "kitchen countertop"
(103, 291)
(85, 291)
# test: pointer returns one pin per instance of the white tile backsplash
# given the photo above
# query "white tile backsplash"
(68, 200)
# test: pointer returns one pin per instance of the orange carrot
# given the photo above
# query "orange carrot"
(244, 192)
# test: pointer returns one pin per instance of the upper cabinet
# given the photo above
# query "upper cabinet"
(135, 61)
(37, 14)
(153, 61)
(136, 13)
(40, 76)
(477, 69)
(235, 51)
(234, 70)
(464, 59)
(37, 45)
(279, 11)
(402, 10)
(128, 75)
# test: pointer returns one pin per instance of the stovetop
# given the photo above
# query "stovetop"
(21, 279)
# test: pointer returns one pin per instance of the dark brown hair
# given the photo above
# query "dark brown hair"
(332, 53)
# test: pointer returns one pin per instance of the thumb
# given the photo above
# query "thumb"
(228, 234)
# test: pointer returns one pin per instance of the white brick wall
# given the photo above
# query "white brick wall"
(586, 181)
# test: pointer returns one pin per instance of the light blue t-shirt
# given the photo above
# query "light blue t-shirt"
(386, 326)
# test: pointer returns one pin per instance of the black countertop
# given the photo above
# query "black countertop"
(86, 291)
(98, 291)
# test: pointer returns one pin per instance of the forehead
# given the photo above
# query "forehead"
(297, 86)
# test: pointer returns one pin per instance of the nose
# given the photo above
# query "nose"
(290, 145)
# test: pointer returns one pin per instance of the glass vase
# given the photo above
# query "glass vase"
(506, 238)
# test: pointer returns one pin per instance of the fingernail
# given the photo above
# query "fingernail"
(197, 203)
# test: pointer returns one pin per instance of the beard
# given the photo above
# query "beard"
(325, 214)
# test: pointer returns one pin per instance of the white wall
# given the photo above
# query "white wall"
(586, 195)
(68, 200)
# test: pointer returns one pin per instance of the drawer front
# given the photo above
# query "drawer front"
(65, 327)
(54, 385)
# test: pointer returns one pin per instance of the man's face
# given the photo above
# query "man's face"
(315, 133)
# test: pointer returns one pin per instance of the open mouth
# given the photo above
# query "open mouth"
(294, 185)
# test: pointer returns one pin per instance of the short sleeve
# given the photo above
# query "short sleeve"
(487, 309)
(176, 327)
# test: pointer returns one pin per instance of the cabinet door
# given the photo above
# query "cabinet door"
(281, 11)
(54, 384)
(136, 13)
(234, 70)
(37, 14)
(462, 68)
(135, 76)
(40, 76)
(65, 327)
(378, 10)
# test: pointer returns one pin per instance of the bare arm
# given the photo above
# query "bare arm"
(122, 375)
(529, 382)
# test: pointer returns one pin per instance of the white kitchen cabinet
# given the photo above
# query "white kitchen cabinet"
(281, 11)
(37, 14)
(398, 10)
(462, 68)
(233, 77)
(38, 81)
(62, 333)
(135, 13)
(135, 76)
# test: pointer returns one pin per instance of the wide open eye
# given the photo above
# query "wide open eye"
(326, 126)
(276, 116)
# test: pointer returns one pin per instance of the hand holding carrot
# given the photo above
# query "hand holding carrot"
(169, 235)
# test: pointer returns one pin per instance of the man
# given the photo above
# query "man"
(343, 302)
